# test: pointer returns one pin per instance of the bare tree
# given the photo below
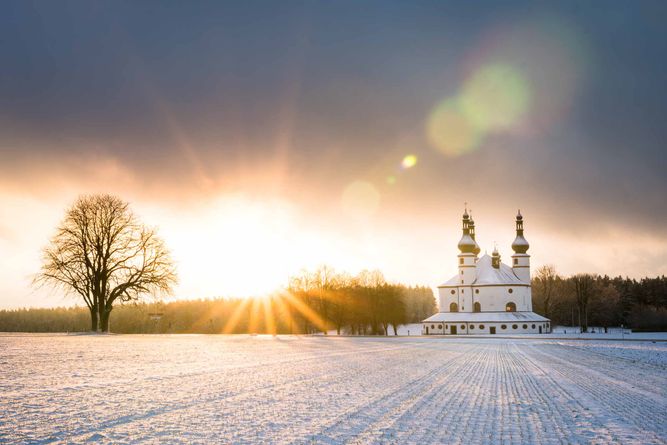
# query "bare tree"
(101, 253)
(583, 288)
(544, 283)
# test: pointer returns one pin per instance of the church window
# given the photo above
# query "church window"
(472, 326)
(477, 307)
(525, 326)
(514, 326)
(510, 290)
(453, 292)
(432, 326)
(503, 326)
(439, 326)
(476, 291)
(453, 307)
(481, 326)
(463, 290)
(516, 261)
(463, 326)
(460, 260)
(532, 326)
(510, 307)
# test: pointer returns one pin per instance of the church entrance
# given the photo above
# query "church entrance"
(540, 329)
(492, 329)
(426, 330)
(452, 330)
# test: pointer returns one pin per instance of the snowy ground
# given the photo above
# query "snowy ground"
(242, 389)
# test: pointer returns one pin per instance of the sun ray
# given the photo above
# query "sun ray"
(286, 313)
(306, 311)
(254, 319)
(269, 319)
(235, 317)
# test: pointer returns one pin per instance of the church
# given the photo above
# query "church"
(487, 296)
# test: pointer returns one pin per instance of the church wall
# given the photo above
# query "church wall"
(481, 328)
(491, 298)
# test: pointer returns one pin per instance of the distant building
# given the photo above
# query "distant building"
(487, 296)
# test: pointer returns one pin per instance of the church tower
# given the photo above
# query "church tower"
(471, 226)
(520, 259)
(467, 256)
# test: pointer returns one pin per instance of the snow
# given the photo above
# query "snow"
(486, 274)
(288, 389)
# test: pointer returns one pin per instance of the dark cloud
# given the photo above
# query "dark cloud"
(328, 92)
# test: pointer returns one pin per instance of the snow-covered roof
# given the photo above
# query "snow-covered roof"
(478, 317)
(487, 274)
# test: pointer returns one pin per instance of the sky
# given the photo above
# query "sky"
(262, 138)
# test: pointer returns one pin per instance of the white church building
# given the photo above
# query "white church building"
(487, 296)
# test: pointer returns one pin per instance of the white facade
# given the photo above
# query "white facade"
(487, 296)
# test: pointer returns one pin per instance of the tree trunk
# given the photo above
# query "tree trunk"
(104, 321)
(93, 319)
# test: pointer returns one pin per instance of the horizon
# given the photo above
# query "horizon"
(261, 141)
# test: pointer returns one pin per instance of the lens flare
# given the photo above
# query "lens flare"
(495, 98)
(409, 161)
(360, 199)
(450, 131)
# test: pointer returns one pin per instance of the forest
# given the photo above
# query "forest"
(324, 300)
(595, 300)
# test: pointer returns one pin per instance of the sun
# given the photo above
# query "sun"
(234, 246)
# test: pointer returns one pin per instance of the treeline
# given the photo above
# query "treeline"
(592, 300)
(316, 301)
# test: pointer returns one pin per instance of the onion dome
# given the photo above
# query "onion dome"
(520, 244)
(495, 258)
(467, 243)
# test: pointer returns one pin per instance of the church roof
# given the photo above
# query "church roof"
(485, 317)
(486, 274)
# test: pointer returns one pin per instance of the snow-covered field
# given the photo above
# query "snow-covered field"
(242, 389)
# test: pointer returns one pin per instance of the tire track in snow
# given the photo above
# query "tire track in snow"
(636, 418)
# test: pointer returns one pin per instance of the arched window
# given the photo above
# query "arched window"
(453, 307)
(477, 307)
(510, 307)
